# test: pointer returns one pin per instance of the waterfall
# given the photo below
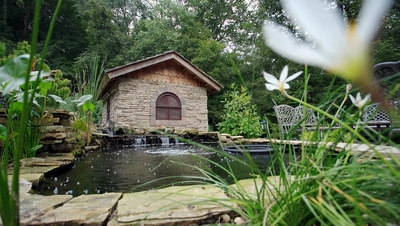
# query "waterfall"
(140, 141)
(164, 140)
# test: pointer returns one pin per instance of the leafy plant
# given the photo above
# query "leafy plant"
(88, 109)
(14, 74)
(59, 89)
(240, 116)
(88, 83)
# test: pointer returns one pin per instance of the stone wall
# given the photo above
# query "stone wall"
(58, 135)
(132, 104)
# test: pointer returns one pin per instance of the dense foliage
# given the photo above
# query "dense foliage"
(221, 37)
(239, 115)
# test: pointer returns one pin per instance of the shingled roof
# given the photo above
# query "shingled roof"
(111, 74)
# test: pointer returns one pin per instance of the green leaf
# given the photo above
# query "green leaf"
(82, 100)
(15, 68)
(45, 86)
(3, 132)
(57, 99)
(15, 107)
(88, 106)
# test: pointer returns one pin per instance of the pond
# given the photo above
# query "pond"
(126, 168)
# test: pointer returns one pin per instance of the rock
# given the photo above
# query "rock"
(53, 136)
(169, 130)
(192, 132)
(54, 129)
(239, 220)
(71, 135)
(225, 135)
(91, 148)
(85, 209)
(177, 205)
(32, 206)
(66, 122)
(180, 132)
(49, 142)
(237, 137)
(61, 148)
(225, 218)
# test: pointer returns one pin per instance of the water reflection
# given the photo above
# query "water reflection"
(123, 169)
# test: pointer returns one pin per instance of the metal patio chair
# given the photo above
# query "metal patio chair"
(290, 118)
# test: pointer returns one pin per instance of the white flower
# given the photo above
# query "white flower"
(358, 101)
(336, 46)
(280, 84)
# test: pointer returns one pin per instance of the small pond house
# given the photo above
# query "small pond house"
(163, 91)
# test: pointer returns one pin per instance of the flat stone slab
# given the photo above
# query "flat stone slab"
(37, 169)
(179, 205)
(253, 186)
(32, 206)
(32, 178)
(85, 209)
(386, 151)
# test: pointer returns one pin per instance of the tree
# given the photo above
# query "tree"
(105, 38)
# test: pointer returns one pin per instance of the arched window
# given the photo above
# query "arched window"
(168, 107)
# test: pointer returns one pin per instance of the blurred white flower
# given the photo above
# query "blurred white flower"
(281, 84)
(358, 101)
(339, 47)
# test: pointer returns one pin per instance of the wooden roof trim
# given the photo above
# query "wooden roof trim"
(200, 74)
(125, 69)
(118, 71)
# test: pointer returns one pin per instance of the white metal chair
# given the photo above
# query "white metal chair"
(284, 114)
(289, 118)
(374, 114)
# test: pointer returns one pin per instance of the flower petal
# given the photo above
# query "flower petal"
(358, 98)
(294, 76)
(285, 44)
(270, 78)
(270, 87)
(367, 97)
(284, 74)
(352, 99)
(286, 86)
(370, 19)
(325, 27)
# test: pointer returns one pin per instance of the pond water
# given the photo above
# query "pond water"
(124, 169)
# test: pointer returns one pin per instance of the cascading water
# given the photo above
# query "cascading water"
(140, 141)
(164, 140)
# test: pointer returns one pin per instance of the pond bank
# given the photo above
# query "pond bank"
(178, 205)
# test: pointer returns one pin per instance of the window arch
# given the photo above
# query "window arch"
(168, 107)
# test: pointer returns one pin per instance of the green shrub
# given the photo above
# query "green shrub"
(59, 87)
(239, 115)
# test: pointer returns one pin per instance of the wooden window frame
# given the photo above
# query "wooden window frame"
(168, 107)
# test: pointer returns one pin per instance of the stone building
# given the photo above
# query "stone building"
(163, 91)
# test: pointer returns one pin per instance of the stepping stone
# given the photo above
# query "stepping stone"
(178, 205)
(85, 209)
